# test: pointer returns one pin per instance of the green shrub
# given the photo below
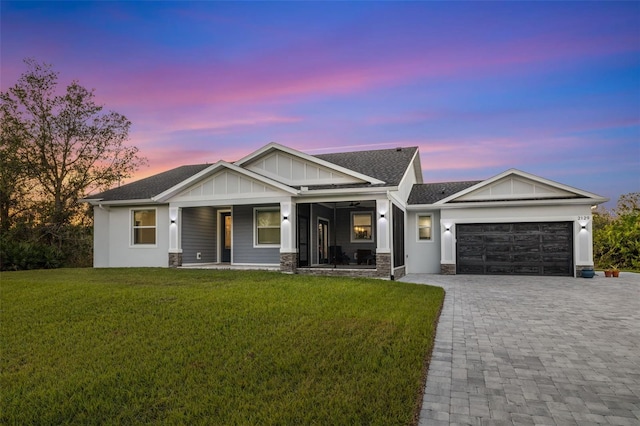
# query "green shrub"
(20, 255)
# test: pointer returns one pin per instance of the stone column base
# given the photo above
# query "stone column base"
(447, 269)
(383, 265)
(175, 260)
(288, 262)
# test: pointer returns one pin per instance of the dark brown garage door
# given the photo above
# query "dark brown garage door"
(515, 248)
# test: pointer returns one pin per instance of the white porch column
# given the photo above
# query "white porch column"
(383, 230)
(447, 247)
(583, 243)
(288, 249)
(288, 227)
(175, 218)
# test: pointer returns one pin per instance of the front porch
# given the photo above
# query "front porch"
(338, 238)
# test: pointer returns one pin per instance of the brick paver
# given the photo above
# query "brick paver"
(535, 351)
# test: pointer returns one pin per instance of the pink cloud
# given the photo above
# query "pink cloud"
(278, 76)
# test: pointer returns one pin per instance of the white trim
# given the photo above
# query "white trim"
(513, 219)
(258, 265)
(417, 233)
(132, 243)
(219, 234)
(411, 167)
(256, 244)
(136, 202)
(373, 225)
(593, 197)
(230, 202)
(275, 146)
(344, 191)
(163, 196)
(523, 203)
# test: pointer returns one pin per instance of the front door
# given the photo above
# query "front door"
(225, 234)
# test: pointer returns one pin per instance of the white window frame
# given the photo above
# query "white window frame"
(422, 240)
(352, 234)
(132, 228)
(255, 226)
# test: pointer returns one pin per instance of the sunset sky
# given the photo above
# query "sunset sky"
(550, 88)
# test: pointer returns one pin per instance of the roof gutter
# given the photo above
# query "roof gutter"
(101, 202)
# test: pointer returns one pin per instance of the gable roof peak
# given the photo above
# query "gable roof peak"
(274, 146)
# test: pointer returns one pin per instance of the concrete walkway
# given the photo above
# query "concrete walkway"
(535, 351)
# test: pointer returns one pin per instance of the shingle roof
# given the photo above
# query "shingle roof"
(429, 193)
(388, 165)
(153, 185)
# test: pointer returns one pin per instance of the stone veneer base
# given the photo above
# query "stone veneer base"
(447, 269)
(175, 260)
(288, 262)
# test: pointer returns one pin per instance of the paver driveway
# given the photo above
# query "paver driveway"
(535, 350)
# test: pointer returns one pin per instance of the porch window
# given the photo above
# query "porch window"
(361, 227)
(267, 227)
(424, 228)
(144, 227)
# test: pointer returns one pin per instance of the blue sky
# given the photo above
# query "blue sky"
(551, 88)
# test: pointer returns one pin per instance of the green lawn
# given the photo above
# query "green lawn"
(132, 346)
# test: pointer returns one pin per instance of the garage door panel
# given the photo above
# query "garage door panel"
(527, 258)
(495, 227)
(496, 238)
(524, 228)
(554, 227)
(527, 238)
(472, 269)
(559, 247)
(497, 269)
(527, 270)
(515, 248)
(471, 239)
(496, 258)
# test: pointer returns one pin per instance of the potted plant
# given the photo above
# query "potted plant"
(615, 272)
(608, 273)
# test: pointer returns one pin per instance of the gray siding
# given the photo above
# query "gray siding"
(242, 247)
(199, 234)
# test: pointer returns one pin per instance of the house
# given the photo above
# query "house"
(365, 213)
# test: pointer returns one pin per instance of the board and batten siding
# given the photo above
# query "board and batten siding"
(243, 251)
(199, 235)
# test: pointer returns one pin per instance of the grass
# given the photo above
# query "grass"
(134, 346)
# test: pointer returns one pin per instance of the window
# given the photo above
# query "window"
(144, 227)
(424, 228)
(361, 227)
(267, 229)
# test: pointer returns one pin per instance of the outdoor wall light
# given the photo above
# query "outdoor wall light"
(382, 215)
(285, 217)
(447, 229)
(584, 227)
(173, 221)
